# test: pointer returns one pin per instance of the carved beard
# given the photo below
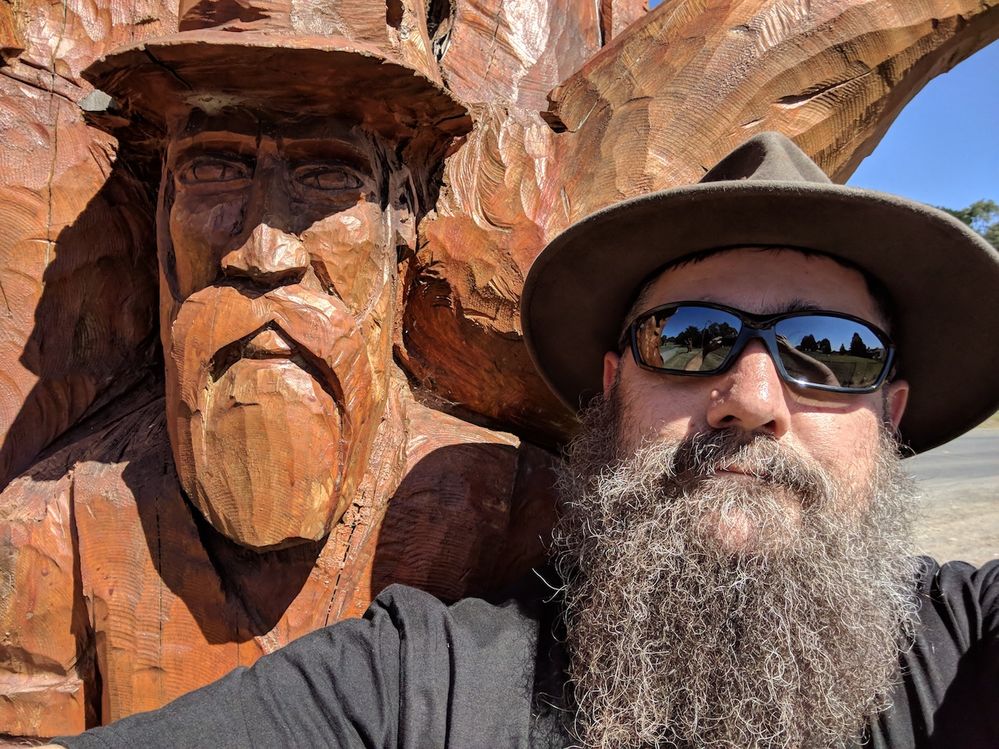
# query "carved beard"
(706, 610)
(273, 430)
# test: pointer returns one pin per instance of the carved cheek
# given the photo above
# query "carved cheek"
(352, 256)
(202, 230)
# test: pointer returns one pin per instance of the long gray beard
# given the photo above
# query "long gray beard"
(789, 638)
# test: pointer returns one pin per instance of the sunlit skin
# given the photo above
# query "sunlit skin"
(840, 431)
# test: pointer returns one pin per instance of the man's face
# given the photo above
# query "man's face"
(734, 550)
(278, 275)
(838, 431)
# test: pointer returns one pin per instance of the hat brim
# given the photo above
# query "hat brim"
(941, 276)
(211, 70)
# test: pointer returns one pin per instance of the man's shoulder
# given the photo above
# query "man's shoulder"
(457, 674)
(513, 611)
(964, 596)
(939, 579)
(950, 669)
(415, 629)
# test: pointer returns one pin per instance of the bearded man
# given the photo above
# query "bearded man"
(732, 565)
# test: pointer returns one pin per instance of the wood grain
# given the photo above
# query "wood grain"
(116, 594)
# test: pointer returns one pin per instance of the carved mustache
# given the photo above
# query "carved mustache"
(215, 327)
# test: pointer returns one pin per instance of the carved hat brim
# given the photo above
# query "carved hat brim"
(942, 277)
(162, 80)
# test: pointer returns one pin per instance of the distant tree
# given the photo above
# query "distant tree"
(690, 337)
(720, 330)
(808, 343)
(842, 349)
(857, 347)
(824, 346)
(983, 217)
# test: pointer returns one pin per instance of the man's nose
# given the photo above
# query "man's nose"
(750, 395)
(269, 257)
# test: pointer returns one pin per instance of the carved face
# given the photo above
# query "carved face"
(278, 269)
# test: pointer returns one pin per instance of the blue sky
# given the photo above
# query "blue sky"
(943, 148)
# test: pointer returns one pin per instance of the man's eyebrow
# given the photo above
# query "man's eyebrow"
(793, 305)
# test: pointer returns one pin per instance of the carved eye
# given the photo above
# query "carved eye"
(208, 170)
(332, 178)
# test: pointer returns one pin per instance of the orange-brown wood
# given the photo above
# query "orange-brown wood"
(77, 291)
(177, 509)
(140, 589)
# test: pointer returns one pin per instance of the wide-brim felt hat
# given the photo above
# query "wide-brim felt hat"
(214, 69)
(942, 277)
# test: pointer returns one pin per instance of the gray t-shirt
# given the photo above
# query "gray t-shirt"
(415, 672)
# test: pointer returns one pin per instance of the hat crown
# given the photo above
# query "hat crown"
(358, 22)
(768, 157)
(258, 15)
(371, 62)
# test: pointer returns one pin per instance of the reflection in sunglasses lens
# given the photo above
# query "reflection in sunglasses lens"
(825, 350)
(687, 339)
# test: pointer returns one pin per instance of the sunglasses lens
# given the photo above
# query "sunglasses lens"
(815, 349)
(833, 351)
(687, 338)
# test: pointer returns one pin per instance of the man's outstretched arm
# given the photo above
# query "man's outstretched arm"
(412, 673)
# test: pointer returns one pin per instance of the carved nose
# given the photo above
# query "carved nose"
(268, 256)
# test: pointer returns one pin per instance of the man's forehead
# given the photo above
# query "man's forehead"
(764, 280)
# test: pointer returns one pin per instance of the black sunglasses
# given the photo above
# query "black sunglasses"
(811, 349)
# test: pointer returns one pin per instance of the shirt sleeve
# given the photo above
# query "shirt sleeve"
(411, 673)
(336, 687)
(950, 673)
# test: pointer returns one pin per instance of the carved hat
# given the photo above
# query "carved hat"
(943, 278)
(292, 58)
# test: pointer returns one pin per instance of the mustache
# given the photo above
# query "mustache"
(298, 312)
(214, 326)
(700, 456)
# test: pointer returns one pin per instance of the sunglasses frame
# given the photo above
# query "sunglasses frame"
(756, 326)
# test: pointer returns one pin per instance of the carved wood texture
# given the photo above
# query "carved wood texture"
(104, 568)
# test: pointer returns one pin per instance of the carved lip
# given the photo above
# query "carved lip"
(270, 341)
(269, 344)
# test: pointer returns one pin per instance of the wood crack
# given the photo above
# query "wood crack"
(42, 80)
(166, 68)
(6, 301)
(796, 100)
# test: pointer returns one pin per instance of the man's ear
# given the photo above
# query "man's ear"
(611, 362)
(896, 398)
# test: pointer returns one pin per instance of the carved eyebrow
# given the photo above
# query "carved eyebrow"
(217, 138)
(189, 149)
(326, 150)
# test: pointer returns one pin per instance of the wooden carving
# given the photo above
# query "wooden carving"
(260, 353)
